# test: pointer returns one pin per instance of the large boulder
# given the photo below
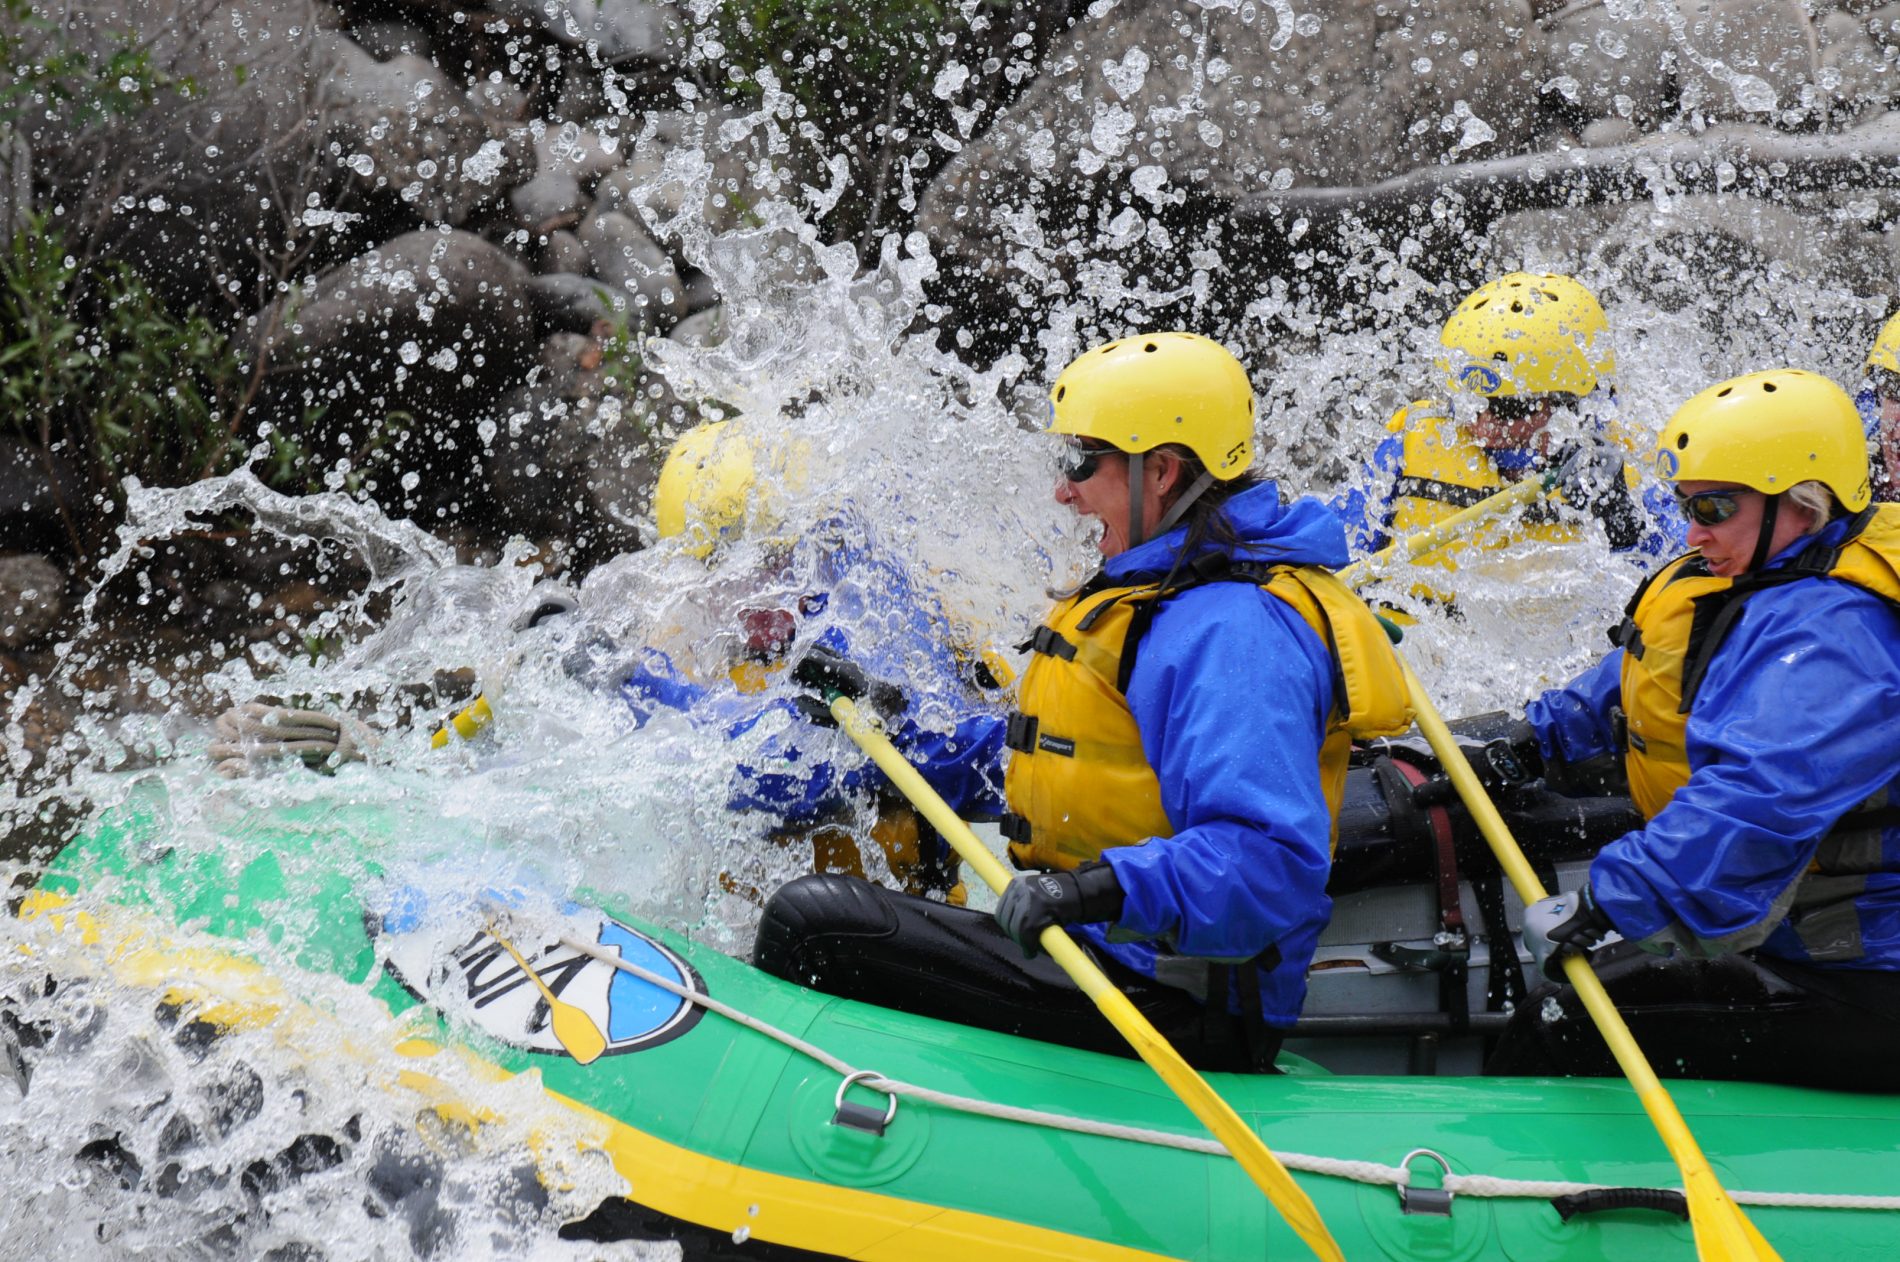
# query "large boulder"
(573, 453)
(225, 172)
(1126, 149)
(613, 31)
(569, 162)
(634, 267)
(32, 597)
(392, 354)
(402, 127)
(1611, 64)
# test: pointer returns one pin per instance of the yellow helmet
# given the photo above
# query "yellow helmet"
(1769, 431)
(1886, 351)
(1142, 392)
(1548, 331)
(710, 490)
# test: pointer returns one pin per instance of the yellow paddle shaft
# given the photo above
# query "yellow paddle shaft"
(1722, 1231)
(1453, 527)
(1214, 1112)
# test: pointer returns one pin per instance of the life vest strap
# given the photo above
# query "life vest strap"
(1050, 643)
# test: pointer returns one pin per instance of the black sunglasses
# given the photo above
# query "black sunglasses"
(1513, 407)
(1710, 508)
(1078, 463)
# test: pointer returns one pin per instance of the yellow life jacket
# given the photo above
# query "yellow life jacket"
(1441, 471)
(1078, 781)
(1676, 623)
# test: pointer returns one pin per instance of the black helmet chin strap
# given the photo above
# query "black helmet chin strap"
(1770, 510)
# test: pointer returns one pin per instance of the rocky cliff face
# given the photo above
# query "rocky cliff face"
(1177, 160)
(438, 238)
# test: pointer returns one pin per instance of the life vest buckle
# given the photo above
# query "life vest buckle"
(1019, 733)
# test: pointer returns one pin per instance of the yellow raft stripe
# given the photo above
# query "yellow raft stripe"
(806, 1214)
(235, 990)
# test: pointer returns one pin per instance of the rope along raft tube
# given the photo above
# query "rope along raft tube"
(1369, 1172)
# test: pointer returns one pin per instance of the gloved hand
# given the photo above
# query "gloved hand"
(1503, 751)
(1035, 900)
(1565, 924)
(826, 670)
(1591, 478)
(258, 732)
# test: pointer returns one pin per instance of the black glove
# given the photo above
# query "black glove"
(1034, 901)
(827, 671)
(1502, 750)
(1565, 924)
(1591, 478)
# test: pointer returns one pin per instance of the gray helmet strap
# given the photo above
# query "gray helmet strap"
(1186, 502)
(1136, 536)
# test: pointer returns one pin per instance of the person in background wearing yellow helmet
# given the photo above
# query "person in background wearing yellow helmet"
(1751, 928)
(808, 596)
(1880, 407)
(1528, 367)
(1177, 760)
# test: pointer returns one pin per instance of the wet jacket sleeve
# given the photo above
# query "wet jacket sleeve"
(1795, 725)
(1665, 533)
(963, 763)
(1365, 506)
(1231, 691)
(655, 683)
(1574, 722)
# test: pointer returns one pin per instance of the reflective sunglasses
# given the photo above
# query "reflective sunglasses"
(1078, 463)
(1509, 408)
(1710, 508)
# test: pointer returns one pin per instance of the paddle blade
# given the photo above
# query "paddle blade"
(577, 1032)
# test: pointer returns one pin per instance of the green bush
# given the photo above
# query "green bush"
(96, 371)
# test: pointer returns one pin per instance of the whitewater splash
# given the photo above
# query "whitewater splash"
(151, 1141)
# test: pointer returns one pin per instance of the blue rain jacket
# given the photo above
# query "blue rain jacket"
(1231, 691)
(803, 773)
(1796, 723)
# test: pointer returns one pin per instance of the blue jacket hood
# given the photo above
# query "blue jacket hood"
(1305, 532)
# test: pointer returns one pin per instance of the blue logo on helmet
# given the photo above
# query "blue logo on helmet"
(1667, 464)
(1479, 379)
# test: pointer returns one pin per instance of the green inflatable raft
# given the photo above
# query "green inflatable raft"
(752, 1108)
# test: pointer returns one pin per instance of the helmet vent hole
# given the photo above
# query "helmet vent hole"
(1682, 441)
(1479, 305)
(1724, 392)
(1767, 387)
(1151, 348)
(1060, 391)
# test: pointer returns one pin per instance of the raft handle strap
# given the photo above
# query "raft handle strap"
(1601, 1200)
